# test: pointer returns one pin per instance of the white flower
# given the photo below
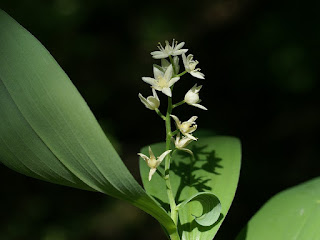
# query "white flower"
(186, 128)
(162, 81)
(168, 50)
(181, 143)
(190, 66)
(152, 162)
(152, 102)
(192, 97)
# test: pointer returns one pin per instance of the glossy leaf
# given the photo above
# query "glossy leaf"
(291, 214)
(211, 208)
(215, 169)
(47, 130)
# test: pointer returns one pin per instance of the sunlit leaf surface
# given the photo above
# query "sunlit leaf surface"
(209, 203)
(214, 169)
(291, 214)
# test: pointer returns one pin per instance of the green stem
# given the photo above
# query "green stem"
(178, 104)
(175, 236)
(160, 173)
(160, 114)
(181, 74)
(173, 134)
(173, 206)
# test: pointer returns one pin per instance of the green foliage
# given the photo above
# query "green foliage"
(291, 214)
(214, 169)
(47, 130)
(211, 208)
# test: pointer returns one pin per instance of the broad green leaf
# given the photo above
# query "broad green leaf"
(291, 214)
(211, 208)
(215, 169)
(47, 130)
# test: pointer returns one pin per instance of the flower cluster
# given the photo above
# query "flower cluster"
(163, 80)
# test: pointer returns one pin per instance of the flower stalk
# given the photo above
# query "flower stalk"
(165, 77)
(173, 206)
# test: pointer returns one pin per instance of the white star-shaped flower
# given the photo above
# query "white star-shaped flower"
(186, 128)
(168, 50)
(152, 162)
(190, 66)
(181, 143)
(162, 81)
(151, 102)
(192, 97)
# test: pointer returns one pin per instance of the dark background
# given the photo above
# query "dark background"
(261, 61)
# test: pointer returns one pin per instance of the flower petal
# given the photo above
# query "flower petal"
(180, 45)
(144, 101)
(151, 153)
(152, 171)
(144, 157)
(185, 141)
(186, 150)
(156, 53)
(196, 88)
(157, 73)
(192, 119)
(176, 119)
(179, 52)
(153, 102)
(190, 136)
(173, 81)
(163, 55)
(157, 88)
(192, 129)
(163, 155)
(149, 80)
(168, 73)
(167, 91)
(184, 59)
(176, 142)
(197, 74)
(154, 92)
(199, 106)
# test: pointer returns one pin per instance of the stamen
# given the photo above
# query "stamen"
(160, 46)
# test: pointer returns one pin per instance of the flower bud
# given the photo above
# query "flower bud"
(151, 102)
(192, 97)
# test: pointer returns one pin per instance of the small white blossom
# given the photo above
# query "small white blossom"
(152, 102)
(162, 81)
(168, 50)
(192, 97)
(181, 143)
(186, 128)
(152, 162)
(190, 66)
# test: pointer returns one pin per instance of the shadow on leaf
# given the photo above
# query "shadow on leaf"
(164, 205)
(202, 160)
(188, 227)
